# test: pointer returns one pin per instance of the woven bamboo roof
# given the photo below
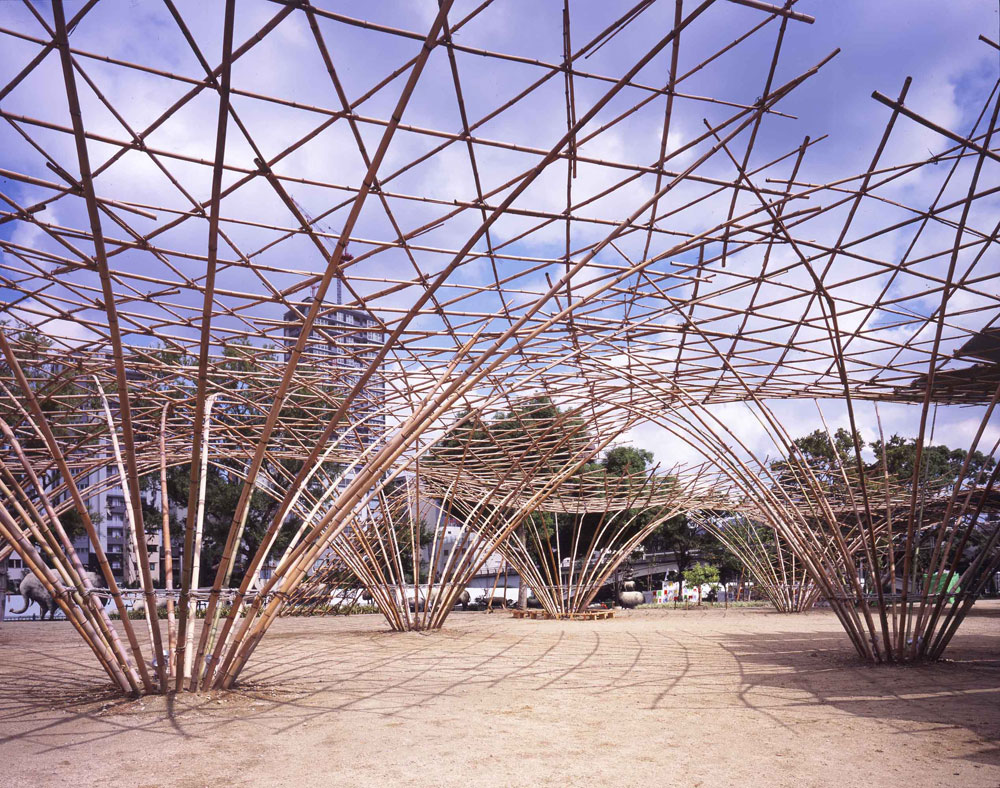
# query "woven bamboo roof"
(468, 220)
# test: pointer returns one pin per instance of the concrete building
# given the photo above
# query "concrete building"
(434, 516)
(346, 341)
(108, 510)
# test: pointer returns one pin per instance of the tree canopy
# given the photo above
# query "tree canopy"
(897, 457)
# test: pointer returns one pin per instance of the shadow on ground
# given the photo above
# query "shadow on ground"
(782, 671)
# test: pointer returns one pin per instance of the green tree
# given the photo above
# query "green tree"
(222, 493)
(699, 575)
(72, 522)
(533, 438)
(626, 460)
(939, 462)
(827, 460)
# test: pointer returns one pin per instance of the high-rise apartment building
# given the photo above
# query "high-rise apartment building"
(345, 342)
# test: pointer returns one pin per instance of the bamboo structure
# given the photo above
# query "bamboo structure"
(568, 547)
(331, 589)
(899, 562)
(194, 278)
(382, 553)
(422, 541)
(529, 480)
(769, 560)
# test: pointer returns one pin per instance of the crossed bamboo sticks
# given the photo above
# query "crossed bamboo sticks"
(123, 331)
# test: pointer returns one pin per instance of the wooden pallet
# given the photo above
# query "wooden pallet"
(591, 615)
(531, 614)
(587, 615)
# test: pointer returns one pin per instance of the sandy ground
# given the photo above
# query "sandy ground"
(659, 698)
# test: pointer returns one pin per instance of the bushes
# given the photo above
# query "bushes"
(323, 610)
(139, 614)
(337, 610)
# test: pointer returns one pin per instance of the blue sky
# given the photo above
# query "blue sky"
(880, 45)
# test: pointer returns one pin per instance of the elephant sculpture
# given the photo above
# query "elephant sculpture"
(464, 599)
(32, 590)
(495, 602)
(629, 597)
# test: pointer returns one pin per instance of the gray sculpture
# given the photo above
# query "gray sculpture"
(32, 590)
(629, 597)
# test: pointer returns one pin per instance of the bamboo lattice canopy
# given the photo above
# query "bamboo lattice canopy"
(597, 208)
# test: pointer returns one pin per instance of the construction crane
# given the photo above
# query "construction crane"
(324, 229)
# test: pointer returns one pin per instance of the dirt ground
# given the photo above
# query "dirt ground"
(660, 698)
